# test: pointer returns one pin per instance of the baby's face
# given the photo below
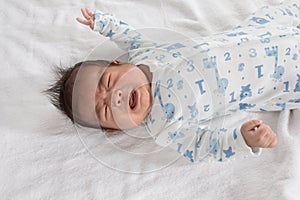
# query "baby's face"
(122, 96)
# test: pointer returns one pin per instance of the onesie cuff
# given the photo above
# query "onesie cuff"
(101, 20)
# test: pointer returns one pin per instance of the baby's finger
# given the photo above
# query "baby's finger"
(251, 125)
(269, 141)
(85, 14)
(89, 12)
(92, 25)
(82, 21)
(273, 142)
(272, 139)
(263, 131)
(267, 138)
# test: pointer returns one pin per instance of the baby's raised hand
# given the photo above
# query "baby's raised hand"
(89, 18)
(258, 134)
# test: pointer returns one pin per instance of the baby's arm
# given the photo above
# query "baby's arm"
(258, 134)
(126, 37)
(200, 143)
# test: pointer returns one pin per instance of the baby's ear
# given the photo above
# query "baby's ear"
(117, 62)
(109, 130)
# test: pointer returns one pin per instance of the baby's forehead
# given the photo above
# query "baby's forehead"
(81, 73)
(85, 85)
(89, 70)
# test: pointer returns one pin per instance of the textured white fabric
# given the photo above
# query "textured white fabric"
(43, 157)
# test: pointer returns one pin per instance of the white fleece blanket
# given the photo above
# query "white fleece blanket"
(43, 156)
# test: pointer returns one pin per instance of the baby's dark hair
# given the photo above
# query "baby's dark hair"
(60, 92)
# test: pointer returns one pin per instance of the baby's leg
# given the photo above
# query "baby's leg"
(287, 14)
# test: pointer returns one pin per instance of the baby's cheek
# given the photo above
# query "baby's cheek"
(146, 98)
(137, 118)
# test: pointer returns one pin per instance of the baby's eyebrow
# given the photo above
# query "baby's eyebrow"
(97, 103)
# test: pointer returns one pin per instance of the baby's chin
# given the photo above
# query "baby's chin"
(125, 124)
(132, 125)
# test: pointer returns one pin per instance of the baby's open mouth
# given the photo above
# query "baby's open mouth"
(133, 99)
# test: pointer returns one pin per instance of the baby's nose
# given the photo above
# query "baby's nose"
(117, 97)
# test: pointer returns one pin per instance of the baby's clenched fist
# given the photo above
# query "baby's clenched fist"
(258, 134)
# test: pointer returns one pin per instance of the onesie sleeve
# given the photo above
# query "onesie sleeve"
(124, 36)
(202, 143)
(287, 14)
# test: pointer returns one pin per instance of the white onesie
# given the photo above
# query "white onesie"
(196, 82)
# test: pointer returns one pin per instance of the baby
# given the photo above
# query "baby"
(181, 91)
